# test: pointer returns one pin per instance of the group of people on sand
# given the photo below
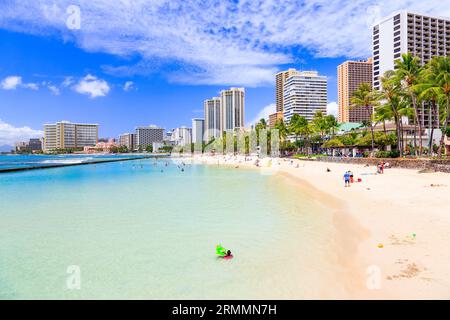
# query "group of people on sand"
(348, 178)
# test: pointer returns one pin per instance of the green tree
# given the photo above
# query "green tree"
(367, 99)
(436, 85)
(282, 129)
(407, 74)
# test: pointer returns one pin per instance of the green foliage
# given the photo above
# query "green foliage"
(387, 154)
(336, 142)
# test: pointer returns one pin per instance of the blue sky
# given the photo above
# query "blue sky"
(154, 62)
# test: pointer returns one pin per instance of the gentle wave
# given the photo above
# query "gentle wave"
(67, 161)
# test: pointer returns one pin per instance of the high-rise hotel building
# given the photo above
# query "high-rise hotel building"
(424, 36)
(232, 102)
(305, 93)
(350, 75)
(67, 135)
(146, 136)
(280, 80)
(213, 119)
(198, 128)
(224, 113)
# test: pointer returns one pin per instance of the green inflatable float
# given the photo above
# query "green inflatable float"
(221, 251)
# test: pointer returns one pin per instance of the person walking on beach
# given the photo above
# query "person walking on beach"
(347, 178)
(351, 176)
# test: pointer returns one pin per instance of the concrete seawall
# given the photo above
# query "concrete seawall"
(99, 161)
(436, 165)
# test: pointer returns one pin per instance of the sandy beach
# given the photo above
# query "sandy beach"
(393, 229)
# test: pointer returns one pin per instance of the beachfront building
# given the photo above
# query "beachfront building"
(35, 145)
(213, 119)
(32, 145)
(68, 135)
(232, 103)
(350, 75)
(145, 136)
(198, 130)
(182, 136)
(280, 80)
(305, 93)
(103, 146)
(274, 118)
(128, 140)
(424, 36)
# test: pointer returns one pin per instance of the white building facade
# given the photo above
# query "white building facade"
(424, 36)
(305, 93)
(182, 136)
(198, 126)
(213, 119)
(232, 102)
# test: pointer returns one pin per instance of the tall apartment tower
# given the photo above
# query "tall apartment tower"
(350, 75)
(213, 118)
(146, 136)
(68, 135)
(198, 126)
(305, 93)
(280, 80)
(232, 102)
(424, 36)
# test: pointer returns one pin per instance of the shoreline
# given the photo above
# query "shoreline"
(402, 211)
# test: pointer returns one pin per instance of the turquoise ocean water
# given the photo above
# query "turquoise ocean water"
(135, 232)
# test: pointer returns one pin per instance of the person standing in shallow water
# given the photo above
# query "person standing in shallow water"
(347, 179)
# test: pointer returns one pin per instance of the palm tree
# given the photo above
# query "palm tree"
(407, 74)
(283, 130)
(382, 114)
(364, 97)
(393, 99)
(436, 88)
(262, 124)
(331, 124)
(298, 126)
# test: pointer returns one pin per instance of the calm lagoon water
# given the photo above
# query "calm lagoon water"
(26, 161)
(138, 233)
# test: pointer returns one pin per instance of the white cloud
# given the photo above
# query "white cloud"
(332, 108)
(128, 86)
(92, 86)
(68, 81)
(32, 86)
(263, 114)
(213, 41)
(11, 82)
(9, 134)
(54, 90)
(14, 82)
